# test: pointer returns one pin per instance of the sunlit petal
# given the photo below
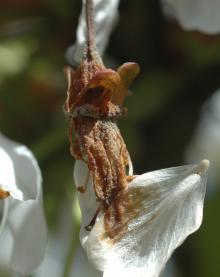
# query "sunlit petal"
(170, 207)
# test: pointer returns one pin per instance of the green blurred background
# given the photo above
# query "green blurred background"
(179, 73)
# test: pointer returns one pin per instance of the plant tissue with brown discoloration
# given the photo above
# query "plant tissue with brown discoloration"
(94, 102)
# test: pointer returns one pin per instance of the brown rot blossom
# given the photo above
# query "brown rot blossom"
(131, 224)
(94, 103)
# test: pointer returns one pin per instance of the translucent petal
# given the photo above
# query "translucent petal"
(200, 15)
(171, 208)
(106, 15)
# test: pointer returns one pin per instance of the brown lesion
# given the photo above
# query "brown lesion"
(126, 207)
(104, 150)
(4, 194)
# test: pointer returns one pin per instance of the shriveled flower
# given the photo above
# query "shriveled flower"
(196, 15)
(23, 228)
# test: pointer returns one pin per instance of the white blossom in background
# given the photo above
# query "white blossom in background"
(106, 15)
(206, 140)
(171, 209)
(23, 231)
(194, 15)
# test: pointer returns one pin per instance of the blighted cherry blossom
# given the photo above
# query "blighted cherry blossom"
(23, 230)
(131, 224)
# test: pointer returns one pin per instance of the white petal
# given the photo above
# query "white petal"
(87, 200)
(106, 15)
(7, 173)
(201, 15)
(6, 248)
(19, 174)
(81, 266)
(171, 208)
(26, 218)
(29, 235)
(5, 210)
